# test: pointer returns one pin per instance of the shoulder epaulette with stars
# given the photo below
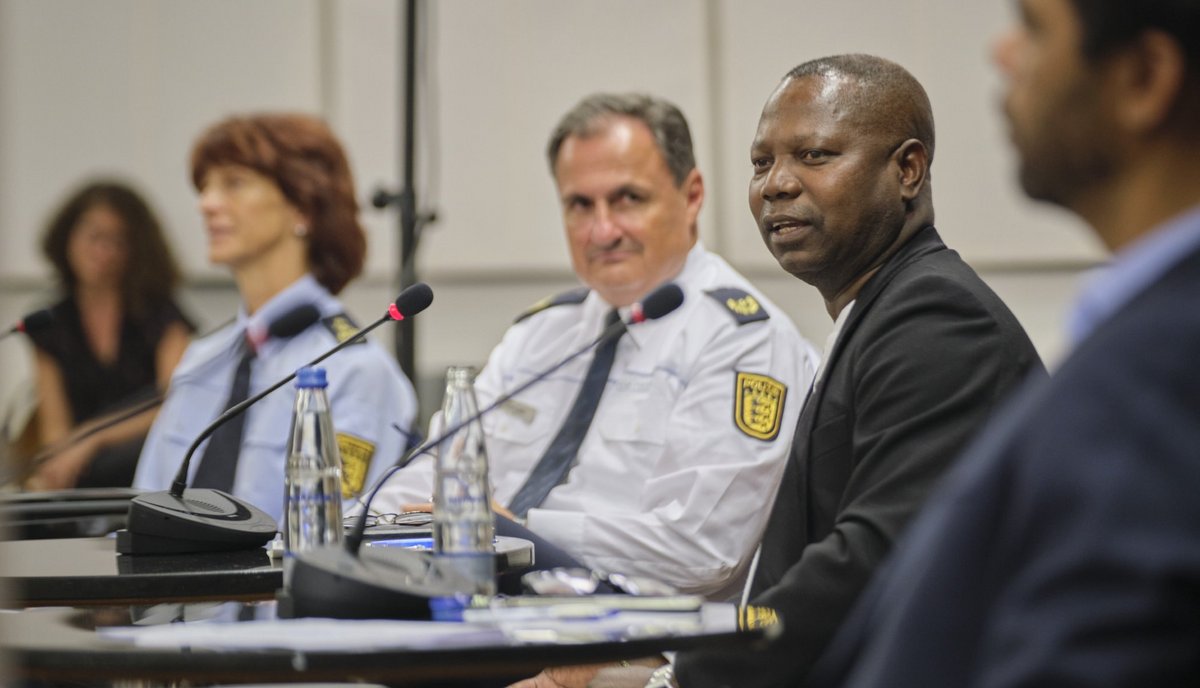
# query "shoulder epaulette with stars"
(342, 328)
(567, 298)
(741, 305)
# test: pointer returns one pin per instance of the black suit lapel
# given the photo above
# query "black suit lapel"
(787, 532)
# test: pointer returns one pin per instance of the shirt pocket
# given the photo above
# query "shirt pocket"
(635, 415)
(178, 440)
(520, 422)
(267, 429)
(191, 407)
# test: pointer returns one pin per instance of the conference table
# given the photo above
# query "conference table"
(81, 612)
(243, 643)
(88, 571)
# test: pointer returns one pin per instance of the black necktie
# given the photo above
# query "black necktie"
(552, 467)
(219, 463)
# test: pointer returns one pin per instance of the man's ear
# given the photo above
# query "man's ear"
(1148, 81)
(693, 188)
(912, 166)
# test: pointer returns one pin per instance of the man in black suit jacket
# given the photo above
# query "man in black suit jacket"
(1064, 550)
(924, 350)
(922, 353)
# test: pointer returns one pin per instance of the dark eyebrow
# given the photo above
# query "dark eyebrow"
(629, 188)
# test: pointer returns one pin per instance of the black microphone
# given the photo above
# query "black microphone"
(32, 322)
(336, 582)
(657, 303)
(286, 326)
(186, 519)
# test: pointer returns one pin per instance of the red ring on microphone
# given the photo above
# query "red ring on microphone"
(636, 315)
(395, 312)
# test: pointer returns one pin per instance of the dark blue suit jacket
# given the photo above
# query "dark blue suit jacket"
(926, 355)
(1065, 548)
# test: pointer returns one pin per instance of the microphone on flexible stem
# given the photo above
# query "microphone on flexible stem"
(32, 322)
(337, 582)
(286, 326)
(658, 303)
(186, 519)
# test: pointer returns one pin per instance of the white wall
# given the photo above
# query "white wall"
(125, 85)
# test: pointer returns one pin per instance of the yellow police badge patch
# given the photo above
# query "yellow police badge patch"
(751, 617)
(341, 327)
(356, 459)
(758, 405)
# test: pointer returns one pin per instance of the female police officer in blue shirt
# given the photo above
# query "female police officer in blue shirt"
(278, 203)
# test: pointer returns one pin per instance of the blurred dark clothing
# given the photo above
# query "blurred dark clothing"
(93, 387)
(1063, 551)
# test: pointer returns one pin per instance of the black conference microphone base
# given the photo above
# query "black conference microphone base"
(375, 583)
(203, 520)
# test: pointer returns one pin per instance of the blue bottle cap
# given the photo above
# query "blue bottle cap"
(312, 376)
(449, 608)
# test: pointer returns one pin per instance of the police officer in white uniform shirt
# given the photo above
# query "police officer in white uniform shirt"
(689, 439)
(278, 203)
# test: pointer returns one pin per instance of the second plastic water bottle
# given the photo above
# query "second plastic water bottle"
(462, 509)
(313, 478)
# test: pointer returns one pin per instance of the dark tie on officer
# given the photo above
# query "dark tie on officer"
(554, 464)
(219, 463)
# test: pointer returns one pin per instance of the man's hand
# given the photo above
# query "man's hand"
(499, 510)
(623, 675)
(616, 676)
(427, 507)
(564, 677)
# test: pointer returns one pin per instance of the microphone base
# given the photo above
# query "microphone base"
(203, 520)
(378, 583)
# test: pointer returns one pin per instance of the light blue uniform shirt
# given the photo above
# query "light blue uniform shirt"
(1132, 270)
(367, 394)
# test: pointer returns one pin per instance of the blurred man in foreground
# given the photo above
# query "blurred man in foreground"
(1065, 550)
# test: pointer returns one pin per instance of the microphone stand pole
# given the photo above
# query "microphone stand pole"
(411, 220)
(405, 334)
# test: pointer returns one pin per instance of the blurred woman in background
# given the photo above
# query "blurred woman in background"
(116, 337)
(278, 203)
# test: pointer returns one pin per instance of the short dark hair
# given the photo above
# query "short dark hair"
(889, 96)
(1112, 24)
(666, 123)
(304, 159)
(151, 273)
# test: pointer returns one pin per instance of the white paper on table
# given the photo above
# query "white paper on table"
(326, 635)
(332, 635)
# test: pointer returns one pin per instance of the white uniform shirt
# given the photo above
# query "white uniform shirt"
(665, 483)
(367, 393)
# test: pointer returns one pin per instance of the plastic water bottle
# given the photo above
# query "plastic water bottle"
(313, 478)
(462, 511)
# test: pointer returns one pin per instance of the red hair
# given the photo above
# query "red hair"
(304, 159)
